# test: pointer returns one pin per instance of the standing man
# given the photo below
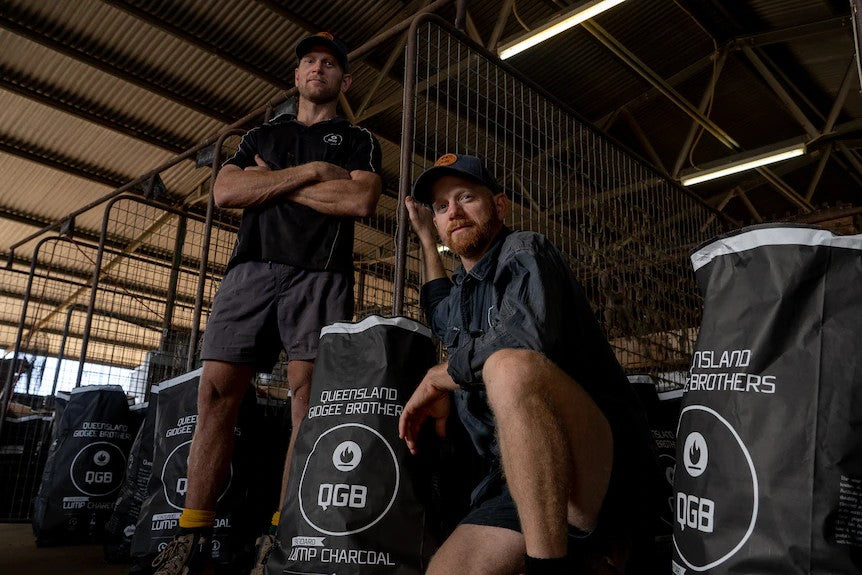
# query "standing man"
(300, 182)
(537, 387)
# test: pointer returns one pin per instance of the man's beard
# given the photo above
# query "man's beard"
(471, 241)
(325, 96)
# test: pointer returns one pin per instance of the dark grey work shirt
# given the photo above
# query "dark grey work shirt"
(522, 295)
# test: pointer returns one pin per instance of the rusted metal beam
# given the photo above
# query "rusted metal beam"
(779, 90)
(657, 82)
(718, 66)
(818, 171)
(644, 141)
(500, 25)
(743, 197)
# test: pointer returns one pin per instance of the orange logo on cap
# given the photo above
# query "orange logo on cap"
(326, 35)
(446, 160)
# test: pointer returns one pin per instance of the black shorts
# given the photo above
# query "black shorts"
(618, 524)
(264, 307)
(497, 509)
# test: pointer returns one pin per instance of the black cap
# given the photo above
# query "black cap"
(469, 167)
(324, 39)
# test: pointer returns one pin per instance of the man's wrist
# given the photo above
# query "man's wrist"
(428, 244)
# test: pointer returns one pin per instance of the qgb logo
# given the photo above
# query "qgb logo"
(349, 481)
(98, 469)
(332, 139)
(716, 493)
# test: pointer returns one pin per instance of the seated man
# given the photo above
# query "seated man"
(538, 388)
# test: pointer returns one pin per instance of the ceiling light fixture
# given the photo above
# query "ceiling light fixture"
(744, 162)
(555, 26)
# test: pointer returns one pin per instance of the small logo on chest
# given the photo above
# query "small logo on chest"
(332, 139)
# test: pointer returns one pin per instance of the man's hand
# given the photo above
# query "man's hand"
(422, 221)
(324, 171)
(431, 399)
(260, 165)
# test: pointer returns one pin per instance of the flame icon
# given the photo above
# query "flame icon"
(346, 456)
(695, 454)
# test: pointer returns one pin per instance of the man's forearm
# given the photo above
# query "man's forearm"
(438, 377)
(356, 197)
(237, 188)
(432, 263)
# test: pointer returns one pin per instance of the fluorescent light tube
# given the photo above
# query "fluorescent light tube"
(555, 26)
(748, 163)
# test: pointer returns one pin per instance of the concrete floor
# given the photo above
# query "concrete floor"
(19, 555)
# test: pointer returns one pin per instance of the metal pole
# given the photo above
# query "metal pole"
(205, 250)
(6, 395)
(460, 14)
(94, 285)
(62, 351)
(170, 297)
(408, 107)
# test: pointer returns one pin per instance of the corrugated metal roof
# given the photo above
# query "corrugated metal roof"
(787, 13)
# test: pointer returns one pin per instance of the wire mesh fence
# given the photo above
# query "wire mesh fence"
(625, 230)
(128, 325)
(374, 260)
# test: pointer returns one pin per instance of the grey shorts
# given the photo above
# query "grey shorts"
(264, 307)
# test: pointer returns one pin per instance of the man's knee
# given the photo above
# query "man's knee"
(299, 378)
(510, 361)
(299, 397)
(222, 386)
(510, 374)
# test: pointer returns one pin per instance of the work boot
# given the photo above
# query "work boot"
(263, 548)
(189, 553)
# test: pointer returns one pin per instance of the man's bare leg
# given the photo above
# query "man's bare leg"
(220, 393)
(299, 378)
(556, 447)
(480, 550)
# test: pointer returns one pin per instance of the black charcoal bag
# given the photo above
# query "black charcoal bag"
(175, 421)
(662, 410)
(24, 449)
(121, 526)
(769, 450)
(355, 496)
(85, 467)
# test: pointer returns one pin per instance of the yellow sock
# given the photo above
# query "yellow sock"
(197, 518)
(273, 526)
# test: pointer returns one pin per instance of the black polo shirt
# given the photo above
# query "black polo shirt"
(284, 231)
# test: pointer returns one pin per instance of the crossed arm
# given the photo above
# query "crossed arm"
(324, 187)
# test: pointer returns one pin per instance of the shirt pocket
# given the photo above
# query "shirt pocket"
(450, 337)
